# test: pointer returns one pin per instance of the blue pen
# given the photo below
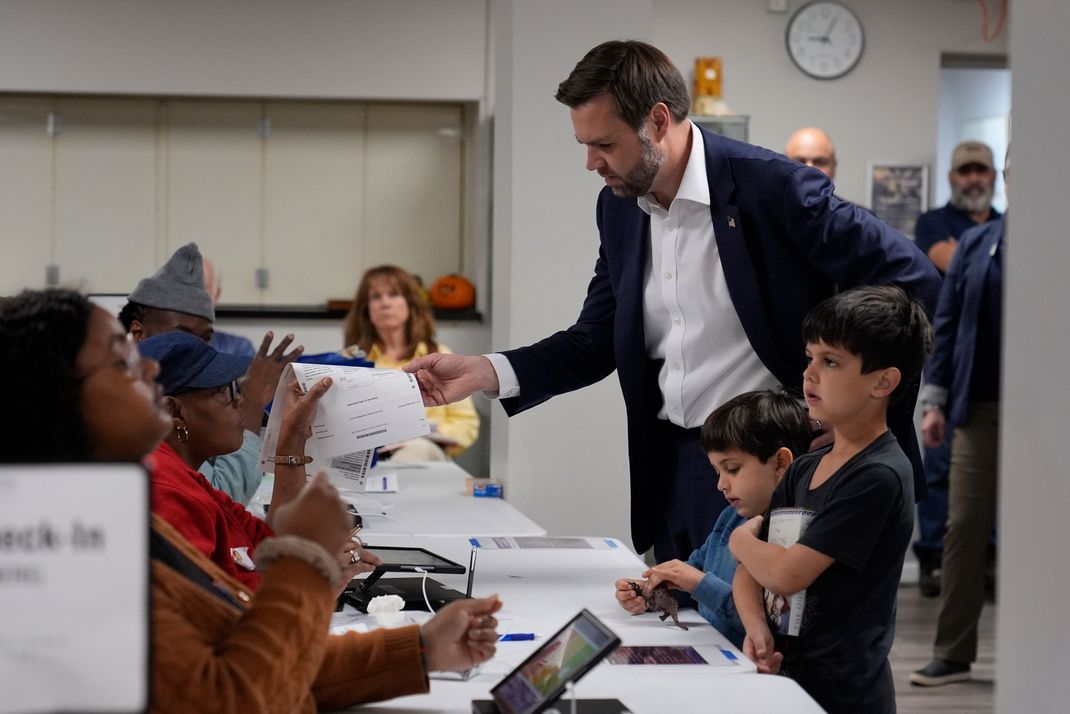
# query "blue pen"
(517, 636)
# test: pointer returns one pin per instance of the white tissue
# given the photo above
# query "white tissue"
(385, 603)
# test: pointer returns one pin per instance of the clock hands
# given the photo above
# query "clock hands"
(828, 32)
(824, 39)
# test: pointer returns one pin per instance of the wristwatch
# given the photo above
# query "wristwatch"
(291, 460)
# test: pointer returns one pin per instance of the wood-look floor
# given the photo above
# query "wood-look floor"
(914, 629)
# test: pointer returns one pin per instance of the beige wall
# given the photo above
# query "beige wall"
(365, 49)
(885, 109)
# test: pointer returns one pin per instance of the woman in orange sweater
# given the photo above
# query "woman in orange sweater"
(85, 395)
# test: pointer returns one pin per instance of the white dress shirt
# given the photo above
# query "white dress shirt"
(688, 316)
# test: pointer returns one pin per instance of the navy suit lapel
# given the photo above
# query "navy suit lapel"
(976, 278)
(632, 251)
(735, 259)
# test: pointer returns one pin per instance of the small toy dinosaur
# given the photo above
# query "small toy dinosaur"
(660, 598)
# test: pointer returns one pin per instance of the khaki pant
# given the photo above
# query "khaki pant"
(971, 517)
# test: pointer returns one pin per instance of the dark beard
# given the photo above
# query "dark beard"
(640, 178)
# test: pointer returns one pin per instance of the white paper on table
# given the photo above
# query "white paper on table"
(542, 543)
(381, 482)
(364, 408)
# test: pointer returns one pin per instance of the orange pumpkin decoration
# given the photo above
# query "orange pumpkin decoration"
(453, 292)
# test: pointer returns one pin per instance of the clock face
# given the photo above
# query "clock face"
(825, 39)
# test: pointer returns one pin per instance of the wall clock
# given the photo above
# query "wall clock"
(825, 39)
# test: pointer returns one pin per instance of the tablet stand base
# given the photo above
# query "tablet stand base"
(564, 706)
(408, 589)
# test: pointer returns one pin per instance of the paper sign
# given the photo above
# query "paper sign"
(74, 588)
(364, 408)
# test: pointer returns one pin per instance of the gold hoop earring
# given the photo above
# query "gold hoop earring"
(182, 431)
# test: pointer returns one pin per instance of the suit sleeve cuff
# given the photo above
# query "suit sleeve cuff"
(508, 384)
(933, 395)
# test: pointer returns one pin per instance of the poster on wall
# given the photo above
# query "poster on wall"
(898, 194)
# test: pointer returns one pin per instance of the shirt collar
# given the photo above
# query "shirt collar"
(694, 186)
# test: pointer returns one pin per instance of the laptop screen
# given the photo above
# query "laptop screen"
(565, 657)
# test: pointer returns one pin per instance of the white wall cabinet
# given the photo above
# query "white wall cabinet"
(292, 200)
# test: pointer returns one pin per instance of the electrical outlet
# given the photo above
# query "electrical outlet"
(777, 5)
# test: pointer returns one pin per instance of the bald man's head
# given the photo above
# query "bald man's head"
(813, 147)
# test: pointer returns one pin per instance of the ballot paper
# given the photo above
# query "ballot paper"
(364, 408)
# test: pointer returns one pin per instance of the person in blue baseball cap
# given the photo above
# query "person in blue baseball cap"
(203, 397)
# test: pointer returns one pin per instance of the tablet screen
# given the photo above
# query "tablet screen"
(565, 657)
(397, 558)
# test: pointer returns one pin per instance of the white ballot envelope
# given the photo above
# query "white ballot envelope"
(74, 588)
(365, 408)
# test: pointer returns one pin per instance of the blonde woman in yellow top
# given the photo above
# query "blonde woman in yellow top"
(390, 322)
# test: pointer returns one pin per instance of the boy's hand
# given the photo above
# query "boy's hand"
(758, 646)
(628, 598)
(676, 573)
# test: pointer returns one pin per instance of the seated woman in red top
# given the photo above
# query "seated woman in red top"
(203, 400)
(84, 395)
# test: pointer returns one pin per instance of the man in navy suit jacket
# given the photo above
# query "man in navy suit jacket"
(712, 252)
(962, 388)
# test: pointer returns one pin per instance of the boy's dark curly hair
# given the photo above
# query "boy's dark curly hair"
(881, 325)
(41, 334)
(758, 423)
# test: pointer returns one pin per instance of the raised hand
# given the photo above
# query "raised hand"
(446, 378)
(462, 634)
(260, 380)
(296, 424)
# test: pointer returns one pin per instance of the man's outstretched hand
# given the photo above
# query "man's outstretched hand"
(446, 378)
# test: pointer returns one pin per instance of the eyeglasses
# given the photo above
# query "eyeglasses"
(124, 356)
(228, 393)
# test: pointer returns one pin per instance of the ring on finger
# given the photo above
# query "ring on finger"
(353, 557)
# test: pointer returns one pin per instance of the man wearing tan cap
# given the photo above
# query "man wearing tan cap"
(972, 178)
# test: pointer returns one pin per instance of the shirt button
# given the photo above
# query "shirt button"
(668, 275)
(669, 226)
(676, 320)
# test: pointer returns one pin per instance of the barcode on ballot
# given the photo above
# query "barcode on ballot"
(356, 462)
